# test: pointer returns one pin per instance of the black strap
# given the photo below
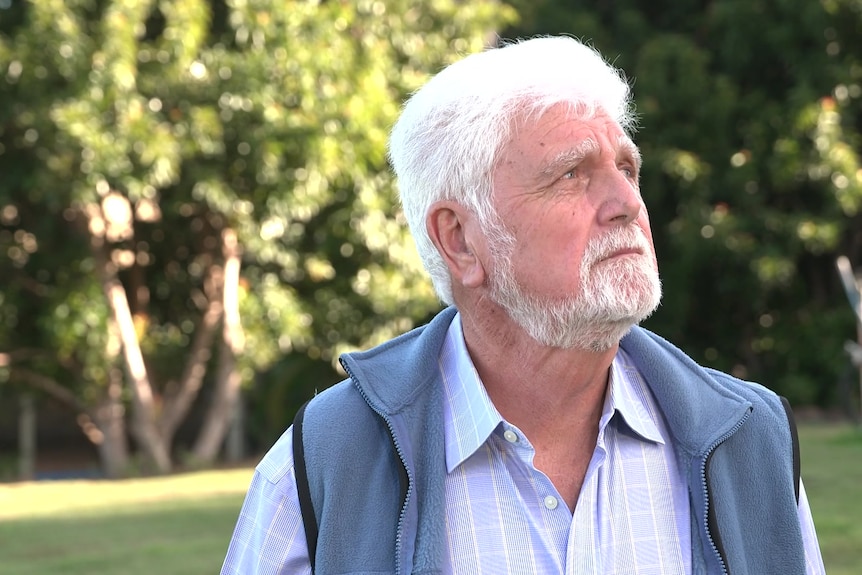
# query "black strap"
(309, 520)
(794, 436)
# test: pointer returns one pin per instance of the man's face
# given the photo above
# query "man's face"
(574, 262)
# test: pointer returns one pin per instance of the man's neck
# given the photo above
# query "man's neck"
(542, 390)
(554, 396)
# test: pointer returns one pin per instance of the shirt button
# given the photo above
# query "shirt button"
(551, 502)
(510, 436)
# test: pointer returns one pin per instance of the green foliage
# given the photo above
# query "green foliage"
(750, 130)
(185, 118)
(270, 117)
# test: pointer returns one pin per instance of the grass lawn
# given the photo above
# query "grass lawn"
(180, 525)
(832, 473)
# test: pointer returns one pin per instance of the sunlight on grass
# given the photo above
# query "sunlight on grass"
(179, 537)
(177, 525)
(65, 498)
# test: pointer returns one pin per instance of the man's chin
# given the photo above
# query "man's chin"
(577, 324)
(593, 336)
(604, 331)
(610, 336)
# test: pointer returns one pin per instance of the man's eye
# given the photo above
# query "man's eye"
(629, 172)
(570, 175)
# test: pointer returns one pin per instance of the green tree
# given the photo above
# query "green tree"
(750, 115)
(194, 189)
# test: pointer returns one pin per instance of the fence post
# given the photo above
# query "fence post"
(26, 437)
(853, 288)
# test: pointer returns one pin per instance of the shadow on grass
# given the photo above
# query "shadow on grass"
(185, 537)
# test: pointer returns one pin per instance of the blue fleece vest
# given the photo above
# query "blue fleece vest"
(374, 456)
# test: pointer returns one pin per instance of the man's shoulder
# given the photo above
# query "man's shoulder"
(325, 410)
(397, 373)
(744, 386)
(332, 414)
(653, 350)
(700, 403)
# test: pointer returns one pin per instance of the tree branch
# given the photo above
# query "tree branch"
(176, 408)
(50, 386)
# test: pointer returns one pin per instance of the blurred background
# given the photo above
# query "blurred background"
(197, 217)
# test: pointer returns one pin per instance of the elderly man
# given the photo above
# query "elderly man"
(531, 427)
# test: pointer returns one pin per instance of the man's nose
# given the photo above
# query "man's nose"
(621, 199)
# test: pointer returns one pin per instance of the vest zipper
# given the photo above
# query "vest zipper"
(710, 520)
(401, 458)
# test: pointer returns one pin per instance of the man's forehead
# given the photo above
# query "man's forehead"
(587, 143)
(571, 117)
(561, 134)
(626, 144)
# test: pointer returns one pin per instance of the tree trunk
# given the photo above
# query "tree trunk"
(143, 426)
(110, 419)
(143, 415)
(228, 379)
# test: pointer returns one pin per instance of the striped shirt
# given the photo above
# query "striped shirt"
(505, 516)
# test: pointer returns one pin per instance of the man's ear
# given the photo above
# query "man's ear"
(455, 232)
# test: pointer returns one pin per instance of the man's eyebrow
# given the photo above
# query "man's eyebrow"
(569, 157)
(625, 144)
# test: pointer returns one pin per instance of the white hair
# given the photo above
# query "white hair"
(446, 143)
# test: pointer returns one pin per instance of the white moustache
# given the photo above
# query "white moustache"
(631, 238)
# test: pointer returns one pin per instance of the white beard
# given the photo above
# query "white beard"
(613, 295)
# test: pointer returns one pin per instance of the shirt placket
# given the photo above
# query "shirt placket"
(583, 549)
(544, 503)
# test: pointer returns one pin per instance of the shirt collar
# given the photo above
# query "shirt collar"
(470, 417)
(631, 398)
